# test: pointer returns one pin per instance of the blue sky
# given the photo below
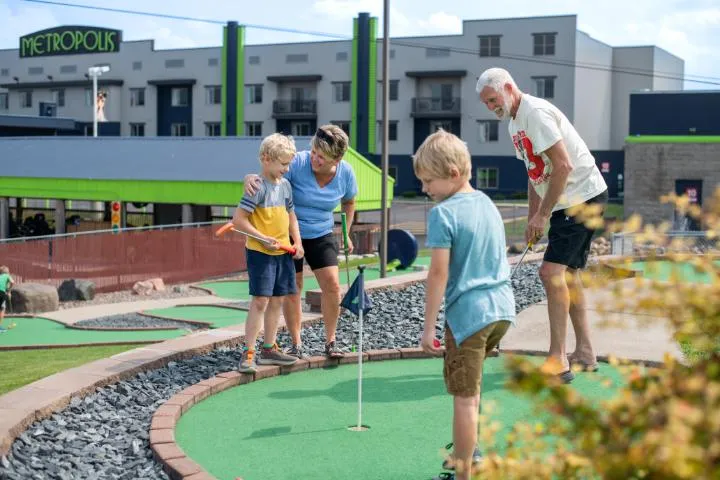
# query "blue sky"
(688, 29)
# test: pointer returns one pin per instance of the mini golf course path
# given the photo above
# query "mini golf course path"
(295, 426)
(36, 332)
(663, 270)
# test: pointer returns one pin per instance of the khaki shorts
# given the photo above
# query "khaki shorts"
(464, 364)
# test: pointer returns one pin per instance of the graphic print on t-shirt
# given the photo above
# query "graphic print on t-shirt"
(538, 170)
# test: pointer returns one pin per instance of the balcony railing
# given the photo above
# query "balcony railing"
(435, 107)
(295, 108)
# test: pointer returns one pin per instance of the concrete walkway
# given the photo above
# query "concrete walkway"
(624, 335)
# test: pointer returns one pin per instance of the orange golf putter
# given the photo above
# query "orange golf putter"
(229, 226)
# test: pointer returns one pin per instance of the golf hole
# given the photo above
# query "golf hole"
(361, 428)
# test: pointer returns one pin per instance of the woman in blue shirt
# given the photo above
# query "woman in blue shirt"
(320, 181)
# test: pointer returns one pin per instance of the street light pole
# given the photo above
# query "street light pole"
(385, 140)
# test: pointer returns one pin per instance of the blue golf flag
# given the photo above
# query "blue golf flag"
(356, 298)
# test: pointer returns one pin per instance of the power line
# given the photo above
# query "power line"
(190, 19)
(708, 80)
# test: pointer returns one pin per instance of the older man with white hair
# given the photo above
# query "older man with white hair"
(561, 174)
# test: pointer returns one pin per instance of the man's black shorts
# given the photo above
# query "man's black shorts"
(569, 241)
(320, 252)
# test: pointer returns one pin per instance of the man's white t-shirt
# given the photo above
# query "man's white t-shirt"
(537, 126)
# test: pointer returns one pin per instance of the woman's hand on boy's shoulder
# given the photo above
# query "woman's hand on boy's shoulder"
(252, 183)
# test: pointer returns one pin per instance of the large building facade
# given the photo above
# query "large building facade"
(254, 90)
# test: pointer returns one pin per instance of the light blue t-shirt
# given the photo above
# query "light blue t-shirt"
(478, 289)
(314, 206)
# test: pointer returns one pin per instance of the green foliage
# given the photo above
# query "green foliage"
(665, 422)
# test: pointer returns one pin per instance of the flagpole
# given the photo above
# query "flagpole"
(360, 356)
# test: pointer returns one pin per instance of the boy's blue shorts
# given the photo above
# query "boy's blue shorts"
(270, 275)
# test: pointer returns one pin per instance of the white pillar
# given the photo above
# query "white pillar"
(59, 216)
(187, 213)
(4, 217)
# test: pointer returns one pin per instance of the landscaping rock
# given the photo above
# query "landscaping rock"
(34, 298)
(72, 290)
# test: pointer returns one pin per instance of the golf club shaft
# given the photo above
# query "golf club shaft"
(343, 217)
(290, 250)
(517, 265)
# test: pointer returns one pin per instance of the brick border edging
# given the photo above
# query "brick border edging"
(162, 426)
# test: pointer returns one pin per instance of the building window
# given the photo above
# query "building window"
(137, 129)
(213, 62)
(212, 129)
(436, 125)
(392, 53)
(544, 87)
(58, 96)
(25, 99)
(137, 97)
(213, 95)
(254, 60)
(253, 94)
(137, 65)
(392, 130)
(175, 63)
(88, 97)
(487, 178)
(544, 43)
(393, 87)
(488, 130)
(344, 125)
(68, 69)
(4, 72)
(296, 58)
(437, 52)
(341, 92)
(179, 97)
(179, 130)
(341, 57)
(253, 129)
(300, 129)
(4, 104)
(393, 171)
(35, 71)
(490, 46)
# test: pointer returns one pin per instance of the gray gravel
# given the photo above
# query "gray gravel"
(135, 320)
(105, 435)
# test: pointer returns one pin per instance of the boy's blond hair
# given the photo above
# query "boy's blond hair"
(331, 141)
(277, 147)
(439, 153)
(4, 269)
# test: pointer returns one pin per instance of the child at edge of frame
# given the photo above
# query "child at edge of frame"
(269, 214)
(469, 268)
(6, 283)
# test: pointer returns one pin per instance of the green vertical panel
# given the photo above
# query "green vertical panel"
(223, 89)
(372, 88)
(353, 86)
(240, 96)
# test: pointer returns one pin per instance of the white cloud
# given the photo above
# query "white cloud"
(442, 22)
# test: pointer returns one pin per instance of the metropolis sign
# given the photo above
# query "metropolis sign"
(70, 40)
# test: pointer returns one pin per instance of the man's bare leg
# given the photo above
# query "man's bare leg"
(584, 351)
(558, 298)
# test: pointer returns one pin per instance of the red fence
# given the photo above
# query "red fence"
(116, 262)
